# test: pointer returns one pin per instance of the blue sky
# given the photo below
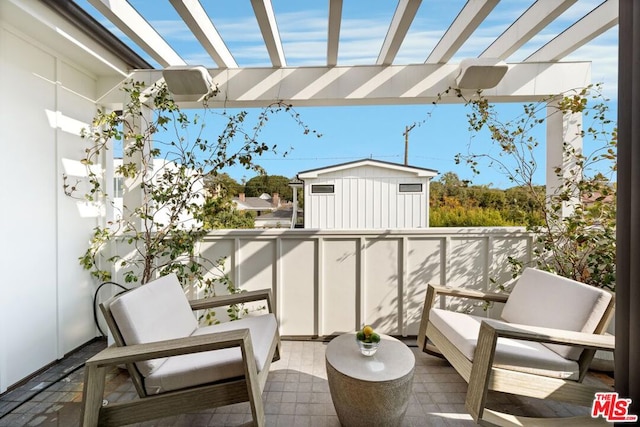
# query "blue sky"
(351, 133)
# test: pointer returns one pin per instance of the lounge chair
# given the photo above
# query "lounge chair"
(175, 365)
(542, 346)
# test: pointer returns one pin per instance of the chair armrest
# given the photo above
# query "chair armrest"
(481, 369)
(434, 290)
(134, 353)
(551, 336)
(222, 300)
(468, 293)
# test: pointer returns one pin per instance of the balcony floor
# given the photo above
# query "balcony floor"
(296, 394)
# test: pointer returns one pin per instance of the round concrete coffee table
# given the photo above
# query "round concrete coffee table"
(369, 390)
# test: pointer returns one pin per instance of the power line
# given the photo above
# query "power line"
(328, 158)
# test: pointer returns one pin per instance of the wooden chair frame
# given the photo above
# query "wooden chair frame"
(242, 389)
(482, 376)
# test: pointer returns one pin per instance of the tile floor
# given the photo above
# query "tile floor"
(296, 394)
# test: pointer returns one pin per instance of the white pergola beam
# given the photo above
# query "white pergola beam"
(263, 10)
(377, 84)
(130, 22)
(402, 19)
(333, 36)
(593, 24)
(196, 18)
(534, 19)
(469, 18)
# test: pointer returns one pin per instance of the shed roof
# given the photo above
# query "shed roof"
(418, 171)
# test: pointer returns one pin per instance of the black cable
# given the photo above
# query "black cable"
(95, 298)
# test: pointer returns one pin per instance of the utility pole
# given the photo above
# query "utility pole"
(407, 129)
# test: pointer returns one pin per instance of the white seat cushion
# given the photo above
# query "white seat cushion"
(190, 370)
(544, 299)
(524, 356)
(156, 311)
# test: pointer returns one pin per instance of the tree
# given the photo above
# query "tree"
(455, 203)
(450, 180)
(217, 183)
(522, 206)
(219, 210)
(269, 184)
(162, 231)
(581, 244)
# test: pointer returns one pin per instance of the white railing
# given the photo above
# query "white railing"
(327, 282)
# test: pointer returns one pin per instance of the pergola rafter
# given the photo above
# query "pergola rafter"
(269, 28)
(405, 12)
(469, 18)
(333, 36)
(534, 19)
(194, 15)
(596, 22)
(130, 22)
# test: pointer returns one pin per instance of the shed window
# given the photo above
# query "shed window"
(410, 188)
(326, 189)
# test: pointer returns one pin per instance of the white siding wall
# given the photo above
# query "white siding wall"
(45, 308)
(366, 197)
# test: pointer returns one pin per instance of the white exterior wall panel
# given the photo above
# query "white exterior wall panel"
(46, 308)
(43, 285)
(28, 313)
(76, 219)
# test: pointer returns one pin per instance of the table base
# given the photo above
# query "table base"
(366, 403)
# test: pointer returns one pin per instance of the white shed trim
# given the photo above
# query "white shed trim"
(420, 172)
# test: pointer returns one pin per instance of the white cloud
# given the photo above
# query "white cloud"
(417, 46)
(199, 58)
(579, 9)
(172, 30)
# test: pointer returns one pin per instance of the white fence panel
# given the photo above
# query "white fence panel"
(297, 301)
(328, 282)
(383, 296)
(339, 285)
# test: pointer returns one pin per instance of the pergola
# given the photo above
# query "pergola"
(385, 82)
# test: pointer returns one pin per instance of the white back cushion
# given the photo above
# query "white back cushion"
(156, 311)
(544, 299)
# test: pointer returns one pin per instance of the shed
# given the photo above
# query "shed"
(366, 194)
